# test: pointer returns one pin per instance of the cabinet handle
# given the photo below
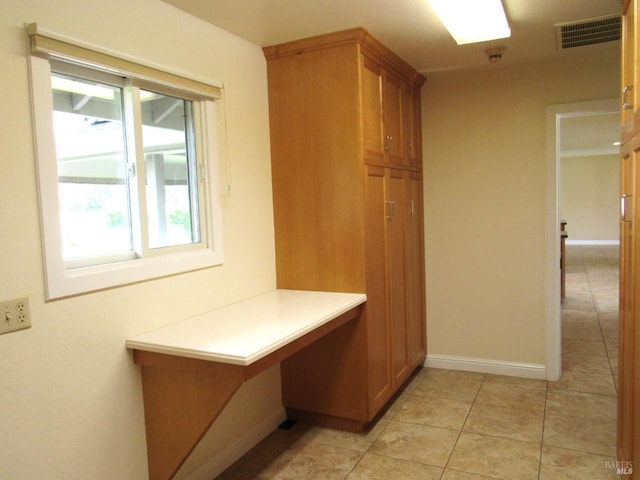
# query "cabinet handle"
(411, 208)
(625, 104)
(391, 209)
(387, 143)
(410, 148)
(623, 207)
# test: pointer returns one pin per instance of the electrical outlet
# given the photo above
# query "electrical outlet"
(15, 315)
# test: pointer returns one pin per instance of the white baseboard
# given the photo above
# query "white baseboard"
(237, 449)
(592, 242)
(496, 367)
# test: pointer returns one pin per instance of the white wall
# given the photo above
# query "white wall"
(71, 397)
(589, 197)
(484, 136)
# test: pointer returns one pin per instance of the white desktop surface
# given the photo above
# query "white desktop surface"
(246, 331)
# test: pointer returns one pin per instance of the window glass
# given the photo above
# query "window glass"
(92, 174)
(171, 173)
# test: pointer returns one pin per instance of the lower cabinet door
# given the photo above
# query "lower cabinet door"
(377, 213)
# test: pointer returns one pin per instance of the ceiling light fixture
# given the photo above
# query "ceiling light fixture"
(473, 21)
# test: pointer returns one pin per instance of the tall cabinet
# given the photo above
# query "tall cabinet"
(348, 212)
(628, 444)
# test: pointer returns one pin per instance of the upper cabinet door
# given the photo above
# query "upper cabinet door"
(392, 99)
(372, 128)
(383, 103)
(629, 95)
(411, 128)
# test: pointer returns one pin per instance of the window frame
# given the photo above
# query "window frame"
(62, 281)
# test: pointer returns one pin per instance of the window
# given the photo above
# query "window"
(126, 167)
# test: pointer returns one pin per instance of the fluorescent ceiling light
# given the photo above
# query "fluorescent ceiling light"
(472, 21)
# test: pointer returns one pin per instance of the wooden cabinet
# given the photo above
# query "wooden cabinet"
(629, 94)
(344, 118)
(627, 302)
(628, 435)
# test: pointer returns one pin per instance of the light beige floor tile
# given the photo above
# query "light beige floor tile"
(354, 441)
(496, 457)
(311, 461)
(450, 384)
(513, 395)
(416, 443)
(612, 349)
(529, 382)
(588, 332)
(587, 363)
(378, 467)
(612, 316)
(572, 346)
(433, 411)
(455, 475)
(594, 436)
(581, 404)
(510, 422)
(585, 317)
(585, 381)
(560, 463)
(253, 462)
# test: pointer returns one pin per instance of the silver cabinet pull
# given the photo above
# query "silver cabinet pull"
(391, 209)
(387, 143)
(626, 105)
(623, 207)
(411, 208)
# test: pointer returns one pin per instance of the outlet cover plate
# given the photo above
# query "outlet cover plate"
(15, 315)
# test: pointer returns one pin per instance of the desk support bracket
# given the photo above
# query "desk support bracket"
(182, 399)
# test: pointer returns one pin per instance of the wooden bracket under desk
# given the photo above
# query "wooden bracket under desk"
(184, 396)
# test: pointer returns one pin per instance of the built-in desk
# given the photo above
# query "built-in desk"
(192, 368)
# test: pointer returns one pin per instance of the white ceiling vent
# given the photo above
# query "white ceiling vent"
(588, 32)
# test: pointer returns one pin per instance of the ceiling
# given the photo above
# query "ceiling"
(411, 29)
(588, 135)
(408, 27)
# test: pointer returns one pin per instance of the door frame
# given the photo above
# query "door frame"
(555, 113)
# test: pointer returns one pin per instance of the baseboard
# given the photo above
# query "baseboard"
(237, 449)
(592, 242)
(496, 367)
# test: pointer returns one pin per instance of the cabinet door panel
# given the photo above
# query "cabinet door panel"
(392, 92)
(630, 96)
(379, 333)
(414, 264)
(411, 126)
(396, 269)
(372, 130)
(628, 275)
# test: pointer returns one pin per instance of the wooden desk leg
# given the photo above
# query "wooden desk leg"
(179, 407)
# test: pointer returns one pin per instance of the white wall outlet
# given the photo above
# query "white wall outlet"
(14, 315)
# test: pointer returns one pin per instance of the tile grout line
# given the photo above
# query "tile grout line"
(466, 418)
(604, 343)
(544, 418)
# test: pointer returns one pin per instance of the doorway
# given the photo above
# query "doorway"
(556, 116)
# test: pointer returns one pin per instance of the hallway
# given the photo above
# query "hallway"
(451, 425)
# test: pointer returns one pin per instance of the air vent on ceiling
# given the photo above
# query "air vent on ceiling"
(588, 32)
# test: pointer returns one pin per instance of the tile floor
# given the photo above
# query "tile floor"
(452, 425)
